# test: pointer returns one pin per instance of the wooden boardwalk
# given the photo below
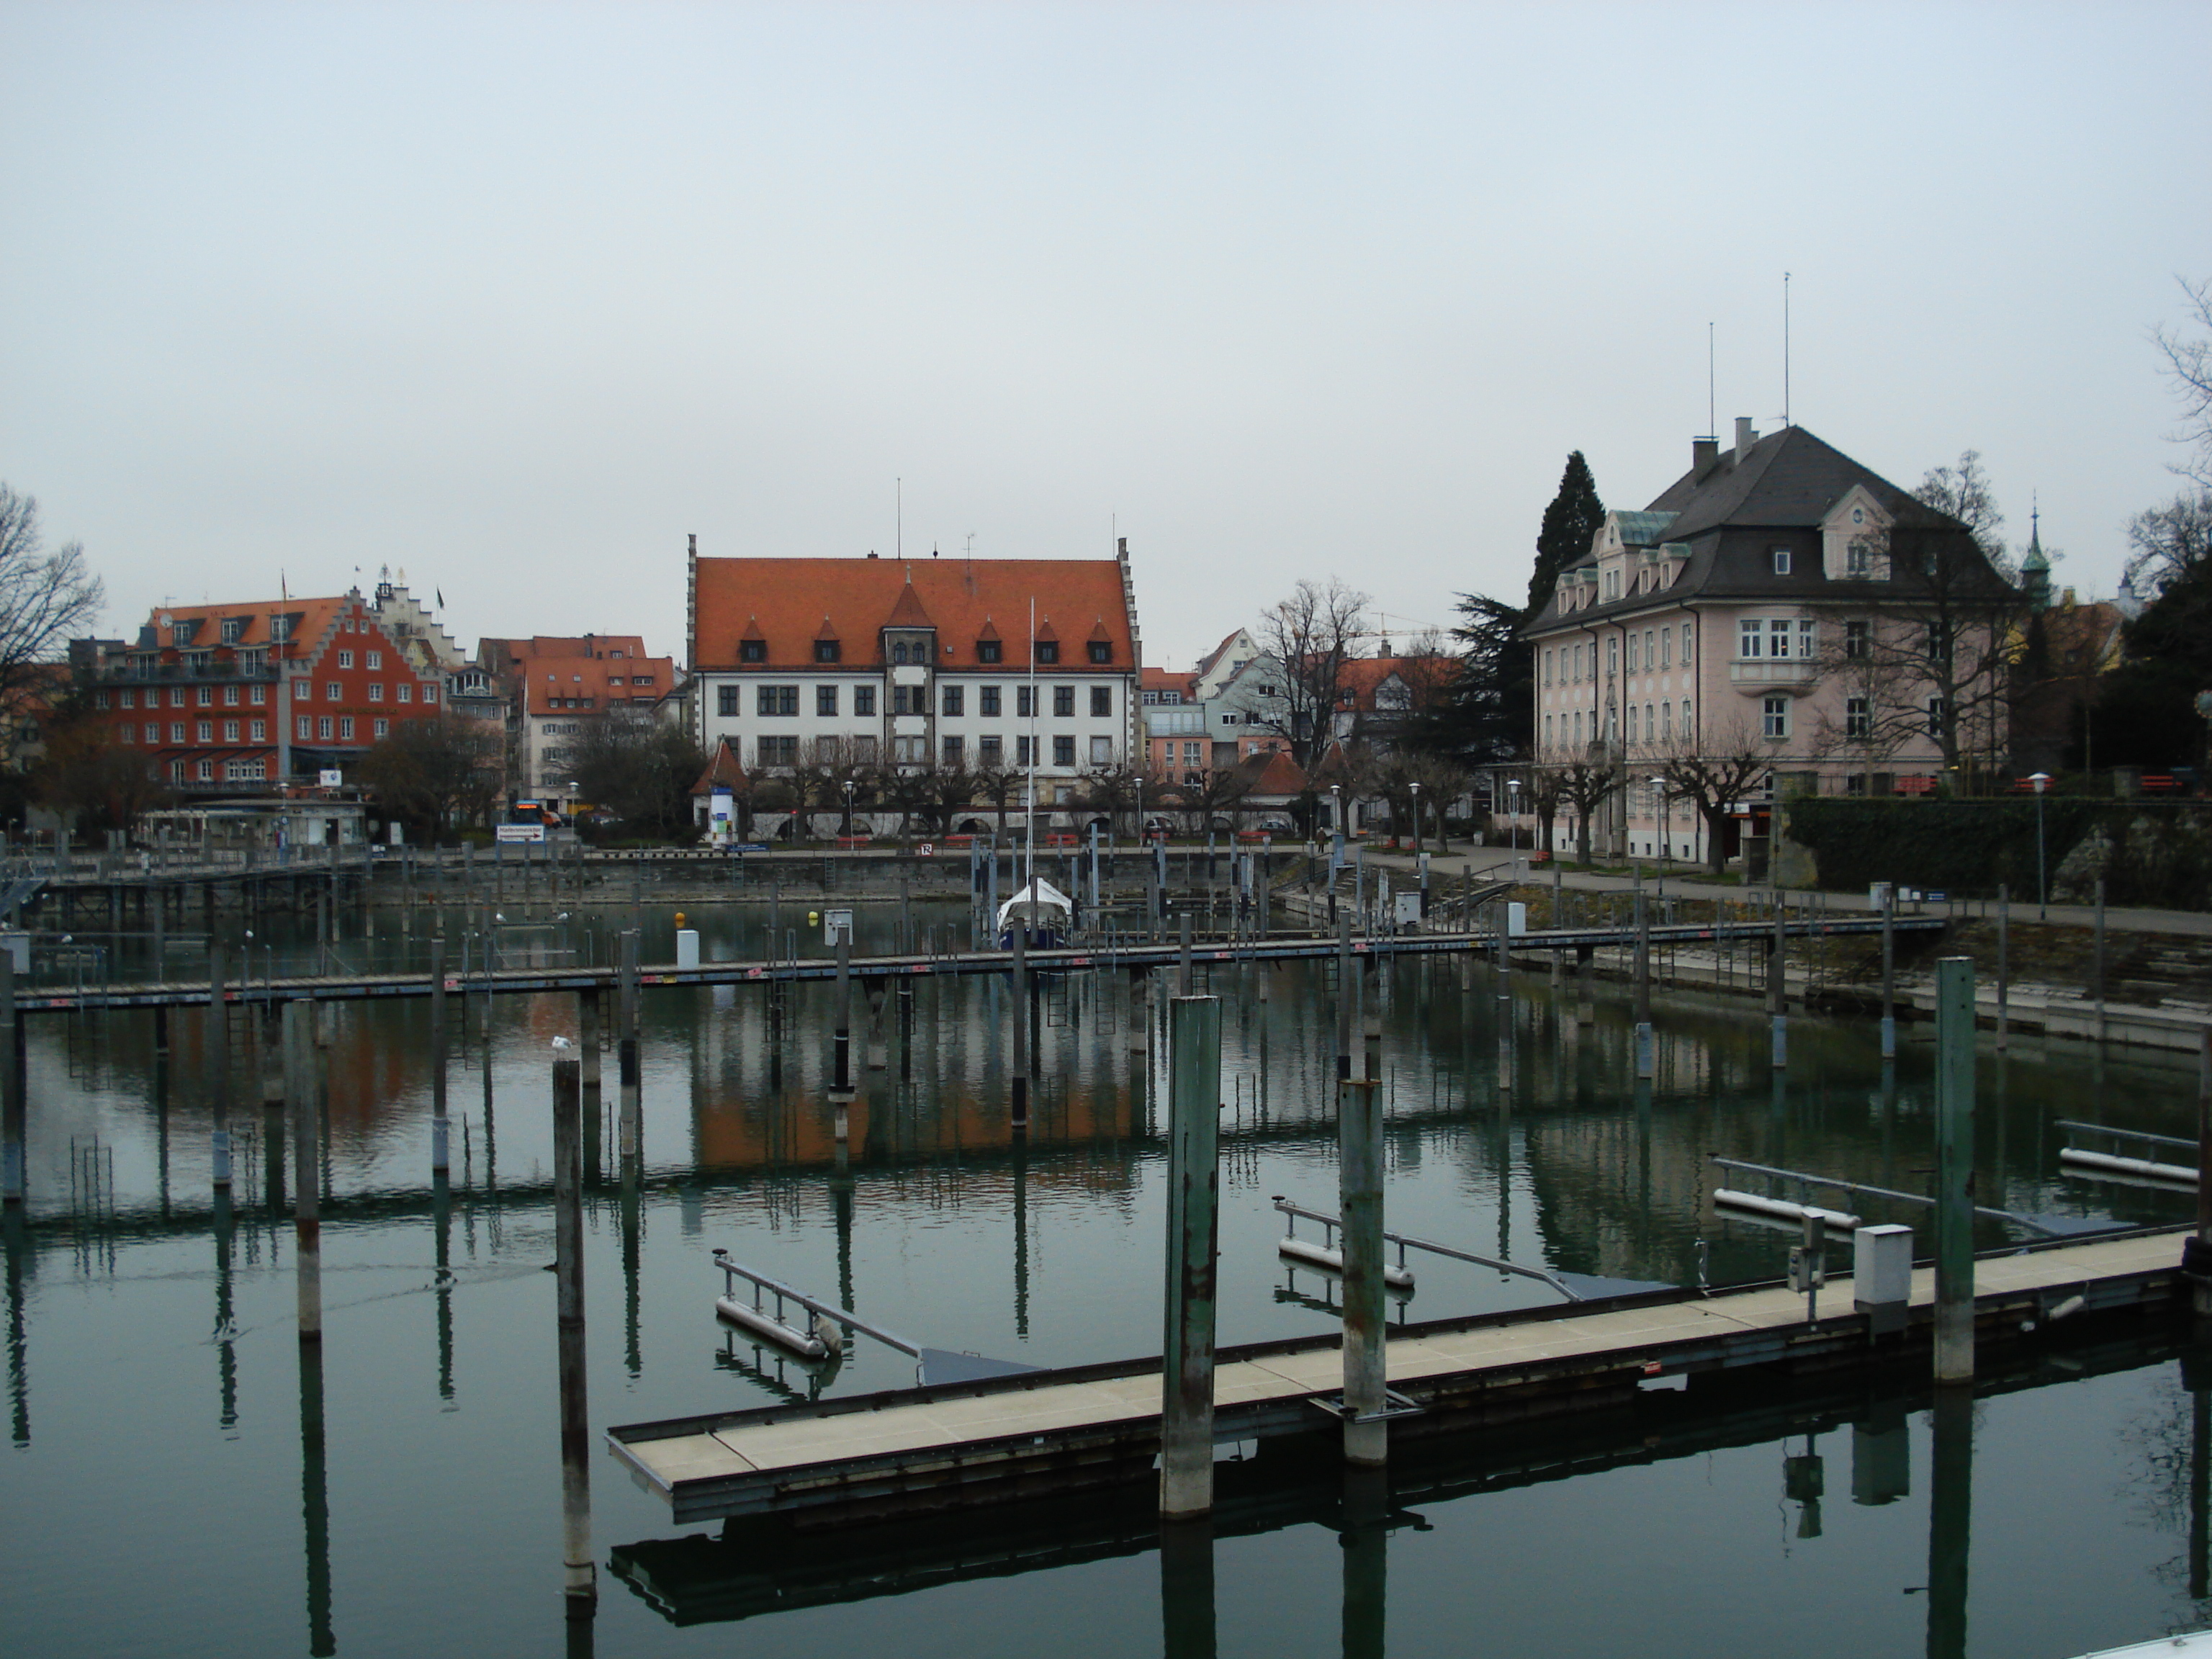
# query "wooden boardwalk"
(353, 987)
(1054, 1431)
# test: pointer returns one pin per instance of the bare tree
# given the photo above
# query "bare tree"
(2189, 368)
(1312, 634)
(1584, 782)
(105, 784)
(1963, 492)
(640, 768)
(1713, 769)
(2167, 543)
(44, 597)
(436, 774)
(1932, 652)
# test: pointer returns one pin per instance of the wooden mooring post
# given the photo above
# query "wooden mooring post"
(218, 1062)
(1359, 1205)
(579, 1575)
(1954, 1169)
(300, 1095)
(1193, 1193)
(1018, 1083)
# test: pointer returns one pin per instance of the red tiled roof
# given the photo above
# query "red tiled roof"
(724, 768)
(967, 601)
(604, 680)
(1273, 772)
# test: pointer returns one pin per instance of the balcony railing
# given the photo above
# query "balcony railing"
(1762, 672)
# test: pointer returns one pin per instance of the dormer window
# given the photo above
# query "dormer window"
(1101, 651)
(1048, 650)
(233, 630)
(987, 651)
(1858, 557)
(829, 651)
(1780, 557)
(180, 633)
(752, 650)
(898, 651)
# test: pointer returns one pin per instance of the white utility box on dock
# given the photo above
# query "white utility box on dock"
(1881, 1267)
(687, 947)
(1517, 920)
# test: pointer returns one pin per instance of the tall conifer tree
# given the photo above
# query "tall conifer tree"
(1490, 715)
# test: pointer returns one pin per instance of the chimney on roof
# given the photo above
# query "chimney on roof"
(1745, 437)
(1705, 455)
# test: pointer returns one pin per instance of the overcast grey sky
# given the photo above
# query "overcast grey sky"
(516, 297)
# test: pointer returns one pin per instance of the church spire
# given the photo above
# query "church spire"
(2035, 567)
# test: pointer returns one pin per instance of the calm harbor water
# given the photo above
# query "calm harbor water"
(177, 1484)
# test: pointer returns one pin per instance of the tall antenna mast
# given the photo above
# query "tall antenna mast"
(1785, 348)
(1712, 417)
(898, 519)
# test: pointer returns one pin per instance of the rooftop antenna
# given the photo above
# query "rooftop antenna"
(898, 519)
(1785, 348)
(1712, 417)
(967, 571)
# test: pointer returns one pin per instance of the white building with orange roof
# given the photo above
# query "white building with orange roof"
(555, 686)
(239, 698)
(983, 664)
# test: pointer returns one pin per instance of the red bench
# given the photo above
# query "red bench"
(1919, 785)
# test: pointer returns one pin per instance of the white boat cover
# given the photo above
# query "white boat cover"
(1039, 904)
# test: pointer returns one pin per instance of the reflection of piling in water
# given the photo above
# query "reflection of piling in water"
(1193, 1191)
(225, 1314)
(579, 1576)
(1778, 984)
(1950, 1521)
(1888, 970)
(442, 1218)
(440, 1133)
(315, 1501)
(2004, 967)
(1186, 1621)
(14, 1113)
(2201, 1292)
(1365, 1542)
(626, 1052)
(1646, 1055)
(218, 1070)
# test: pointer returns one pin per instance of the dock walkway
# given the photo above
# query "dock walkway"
(1090, 1426)
(1112, 954)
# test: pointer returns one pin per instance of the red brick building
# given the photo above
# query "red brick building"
(238, 698)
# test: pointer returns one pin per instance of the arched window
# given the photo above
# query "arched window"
(898, 651)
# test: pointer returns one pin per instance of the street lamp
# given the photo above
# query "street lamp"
(848, 808)
(1417, 818)
(1513, 814)
(2042, 781)
(1659, 813)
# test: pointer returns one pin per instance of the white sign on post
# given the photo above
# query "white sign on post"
(331, 778)
(517, 832)
(837, 926)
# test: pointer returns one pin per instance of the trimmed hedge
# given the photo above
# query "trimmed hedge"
(2162, 855)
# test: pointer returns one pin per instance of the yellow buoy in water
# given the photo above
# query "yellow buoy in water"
(679, 918)
(813, 917)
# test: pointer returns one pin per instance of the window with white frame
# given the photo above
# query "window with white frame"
(1858, 718)
(1858, 559)
(1780, 559)
(1774, 717)
(1750, 639)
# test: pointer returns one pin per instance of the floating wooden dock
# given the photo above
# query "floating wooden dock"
(1055, 1430)
(353, 987)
